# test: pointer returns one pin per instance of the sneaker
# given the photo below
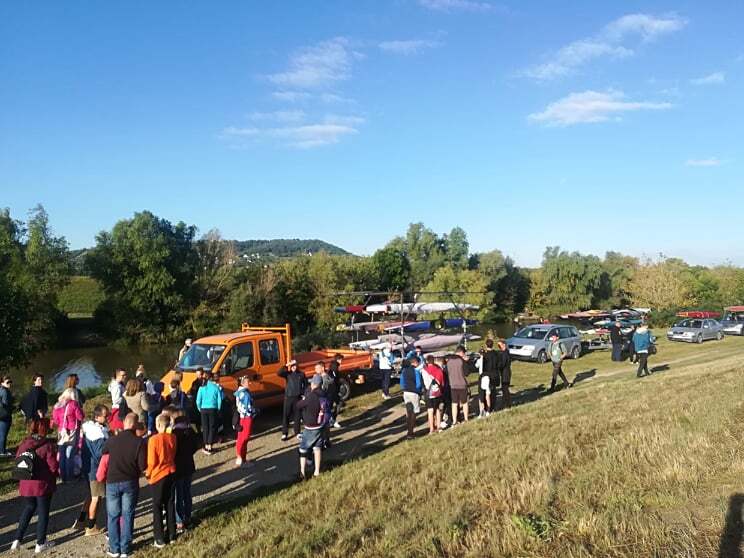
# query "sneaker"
(336, 424)
(123, 555)
(113, 554)
(299, 437)
(42, 547)
(206, 452)
(93, 531)
(6, 454)
(156, 544)
(77, 524)
(284, 437)
(386, 397)
(238, 463)
(15, 545)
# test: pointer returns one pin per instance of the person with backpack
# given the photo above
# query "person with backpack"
(488, 381)
(434, 385)
(244, 414)
(6, 414)
(187, 444)
(209, 403)
(411, 386)
(505, 373)
(457, 370)
(385, 362)
(642, 342)
(68, 417)
(558, 354)
(157, 404)
(36, 468)
(296, 384)
(95, 434)
(315, 415)
(36, 402)
(178, 398)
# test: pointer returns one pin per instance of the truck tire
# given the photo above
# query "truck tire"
(344, 389)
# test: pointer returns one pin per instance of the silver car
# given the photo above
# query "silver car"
(531, 342)
(695, 330)
(733, 323)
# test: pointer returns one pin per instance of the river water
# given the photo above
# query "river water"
(96, 365)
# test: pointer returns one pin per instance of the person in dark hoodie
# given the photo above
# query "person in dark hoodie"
(505, 373)
(334, 371)
(489, 379)
(36, 402)
(188, 443)
(293, 391)
(314, 418)
(617, 340)
(6, 414)
(411, 384)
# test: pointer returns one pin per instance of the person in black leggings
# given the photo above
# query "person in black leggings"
(209, 402)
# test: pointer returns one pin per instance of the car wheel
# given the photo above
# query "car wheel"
(719, 336)
(542, 357)
(344, 389)
(699, 338)
(576, 352)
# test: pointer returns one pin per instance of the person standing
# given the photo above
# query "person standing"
(141, 375)
(296, 384)
(504, 369)
(435, 394)
(161, 466)
(244, 409)
(196, 385)
(95, 434)
(127, 460)
(72, 382)
(642, 342)
(137, 400)
(116, 389)
(314, 419)
(411, 384)
(187, 444)
(6, 414)
(334, 371)
(616, 338)
(184, 349)
(36, 402)
(37, 491)
(558, 354)
(457, 377)
(68, 416)
(209, 403)
(489, 379)
(385, 363)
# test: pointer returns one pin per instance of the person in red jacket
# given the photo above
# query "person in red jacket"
(37, 492)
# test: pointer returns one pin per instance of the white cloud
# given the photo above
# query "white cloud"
(591, 106)
(612, 41)
(709, 162)
(413, 46)
(279, 116)
(711, 79)
(457, 5)
(329, 130)
(291, 96)
(318, 66)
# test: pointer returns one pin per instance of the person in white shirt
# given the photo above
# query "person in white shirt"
(385, 363)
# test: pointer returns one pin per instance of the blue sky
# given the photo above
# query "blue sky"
(593, 126)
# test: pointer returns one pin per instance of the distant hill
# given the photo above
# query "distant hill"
(286, 247)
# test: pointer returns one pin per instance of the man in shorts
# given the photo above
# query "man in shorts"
(95, 434)
(411, 385)
(457, 371)
(314, 418)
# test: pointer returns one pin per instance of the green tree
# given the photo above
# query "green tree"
(660, 284)
(566, 281)
(450, 280)
(457, 248)
(392, 268)
(148, 268)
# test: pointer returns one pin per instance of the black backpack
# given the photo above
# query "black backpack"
(24, 466)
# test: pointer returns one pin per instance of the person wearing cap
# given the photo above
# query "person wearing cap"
(314, 420)
(184, 349)
(296, 384)
(558, 353)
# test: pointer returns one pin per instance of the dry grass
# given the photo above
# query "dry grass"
(615, 467)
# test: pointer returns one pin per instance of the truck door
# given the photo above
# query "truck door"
(269, 354)
(239, 362)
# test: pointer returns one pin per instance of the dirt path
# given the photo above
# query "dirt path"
(365, 431)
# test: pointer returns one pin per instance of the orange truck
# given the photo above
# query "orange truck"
(259, 353)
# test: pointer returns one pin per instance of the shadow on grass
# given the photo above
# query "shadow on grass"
(731, 537)
(660, 368)
(583, 376)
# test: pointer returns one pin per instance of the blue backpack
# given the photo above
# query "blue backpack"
(324, 414)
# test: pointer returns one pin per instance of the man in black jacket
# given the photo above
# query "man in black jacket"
(505, 373)
(616, 338)
(489, 379)
(334, 393)
(311, 440)
(36, 402)
(295, 388)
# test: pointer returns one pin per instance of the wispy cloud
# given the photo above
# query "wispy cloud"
(318, 66)
(712, 79)
(709, 162)
(291, 96)
(458, 5)
(613, 41)
(278, 116)
(591, 106)
(413, 46)
(301, 135)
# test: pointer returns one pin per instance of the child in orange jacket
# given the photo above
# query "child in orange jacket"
(161, 465)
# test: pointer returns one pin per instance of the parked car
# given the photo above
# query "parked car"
(695, 330)
(531, 342)
(733, 320)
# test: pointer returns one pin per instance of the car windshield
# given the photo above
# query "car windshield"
(733, 317)
(532, 333)
(200, 356)
(694, 324)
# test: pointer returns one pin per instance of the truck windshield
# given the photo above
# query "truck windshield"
(532, 333)
(200, 356)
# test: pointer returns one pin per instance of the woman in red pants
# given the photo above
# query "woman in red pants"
(245, 410)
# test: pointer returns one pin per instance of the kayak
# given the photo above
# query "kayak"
(409, 326)
(353, 309)
(458, 322)
(699, 314)
(418, 307)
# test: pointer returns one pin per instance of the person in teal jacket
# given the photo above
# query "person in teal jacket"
(209, 402)
(642, 341)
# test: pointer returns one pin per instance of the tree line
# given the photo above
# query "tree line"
(160, 281)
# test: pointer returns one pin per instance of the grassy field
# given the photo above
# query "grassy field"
(615, 467)
(81, 297)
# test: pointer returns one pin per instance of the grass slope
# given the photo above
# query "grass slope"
(615, 467)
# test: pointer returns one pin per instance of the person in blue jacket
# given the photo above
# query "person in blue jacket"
(95, 433)
(642, 341)
(209, 403)
(411, 384)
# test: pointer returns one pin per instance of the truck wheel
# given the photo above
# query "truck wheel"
(344, 389)
(542, 357)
